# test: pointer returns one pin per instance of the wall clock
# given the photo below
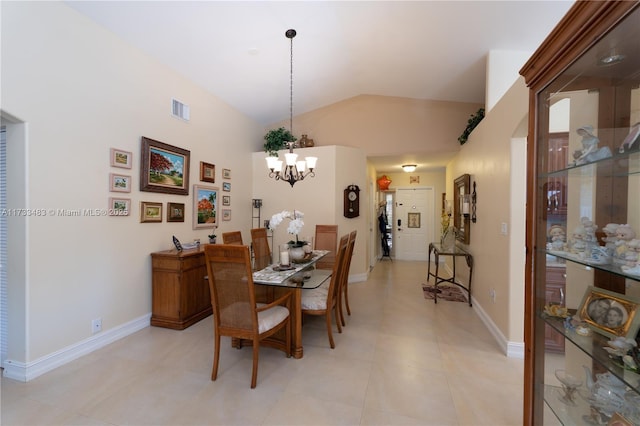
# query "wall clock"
(352, 201)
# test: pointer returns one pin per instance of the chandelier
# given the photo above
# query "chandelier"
(293, 170)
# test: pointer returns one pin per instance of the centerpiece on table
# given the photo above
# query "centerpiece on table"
(298, 248)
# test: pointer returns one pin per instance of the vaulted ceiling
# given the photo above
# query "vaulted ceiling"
(238, 51)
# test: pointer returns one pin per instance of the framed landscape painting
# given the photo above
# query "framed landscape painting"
(120, 158)
(205, 207)
(119, 206)
(164, 168)
(150, 212)
(119, 183)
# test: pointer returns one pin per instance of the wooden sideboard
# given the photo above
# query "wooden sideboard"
(181, 294)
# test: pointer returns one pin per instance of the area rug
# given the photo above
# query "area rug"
(445, 292)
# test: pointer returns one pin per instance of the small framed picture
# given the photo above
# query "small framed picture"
(610, 313)
(207, 172)
(226, 174)
(414, 179)
(413, 220)
(119, 206)
(120, 158)
(175, 212)
(226, 200)
(119, 183)
(150, 212)
(226, 186)
(226, 214)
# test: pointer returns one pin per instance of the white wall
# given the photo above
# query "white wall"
(488, 156)
(502, 72)
(81, 91)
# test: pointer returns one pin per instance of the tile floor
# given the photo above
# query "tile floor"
(401, 360)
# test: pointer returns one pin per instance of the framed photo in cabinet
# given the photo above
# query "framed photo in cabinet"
(610, 313)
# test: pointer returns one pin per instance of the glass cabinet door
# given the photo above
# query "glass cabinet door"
(587, 241)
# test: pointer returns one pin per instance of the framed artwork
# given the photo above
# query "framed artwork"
(610, 313)
(207, 172)
(226, 214)
(413, 220)
(226, 186)
(205, 207)
(120, 158)
(119, 183)
(150, 212)
(226, 200)
(164, 168)
(226, 174)
(119, 206)
(175, 212)
(414, 179)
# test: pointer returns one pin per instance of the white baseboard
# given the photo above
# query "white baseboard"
(25, 372)
(510, 349)
(358, 278)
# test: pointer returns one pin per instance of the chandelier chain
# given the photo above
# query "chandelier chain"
(291, 87)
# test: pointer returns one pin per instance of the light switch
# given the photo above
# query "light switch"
(503, 228)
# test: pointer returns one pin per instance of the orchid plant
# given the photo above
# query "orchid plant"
(295, 224)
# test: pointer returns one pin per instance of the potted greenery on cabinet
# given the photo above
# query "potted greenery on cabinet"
(276, 139)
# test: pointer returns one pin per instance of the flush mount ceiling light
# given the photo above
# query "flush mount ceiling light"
(294, 170)
(409, 167)
(611, 58)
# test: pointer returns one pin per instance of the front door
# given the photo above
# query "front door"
(413, 223)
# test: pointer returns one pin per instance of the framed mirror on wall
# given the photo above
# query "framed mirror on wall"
(461, 187)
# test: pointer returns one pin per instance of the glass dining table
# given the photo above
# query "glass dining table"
(300, 277)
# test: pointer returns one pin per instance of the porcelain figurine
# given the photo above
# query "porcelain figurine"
(557, 237)
(577, 242)
(590, 151)
(610, 238)
(624, 235)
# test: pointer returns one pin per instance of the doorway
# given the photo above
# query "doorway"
(413, 223)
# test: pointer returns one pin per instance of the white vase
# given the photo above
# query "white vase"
(296, 253)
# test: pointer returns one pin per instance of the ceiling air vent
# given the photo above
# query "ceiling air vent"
(179, 110)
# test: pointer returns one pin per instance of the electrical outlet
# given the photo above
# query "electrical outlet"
(96, 325)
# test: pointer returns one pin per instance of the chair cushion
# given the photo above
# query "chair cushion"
(315, 299)
(271, 317)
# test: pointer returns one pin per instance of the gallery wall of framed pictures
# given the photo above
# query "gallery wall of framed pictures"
(164, 169)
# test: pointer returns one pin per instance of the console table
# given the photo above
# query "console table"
(454, 252)
(180, 291)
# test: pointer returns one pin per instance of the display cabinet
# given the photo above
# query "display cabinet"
(583, 220)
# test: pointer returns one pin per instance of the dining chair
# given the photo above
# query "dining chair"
(344, 285)
(324, 300)
(261, 250)
(233, 237)
(326, 239)
(235, 311)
